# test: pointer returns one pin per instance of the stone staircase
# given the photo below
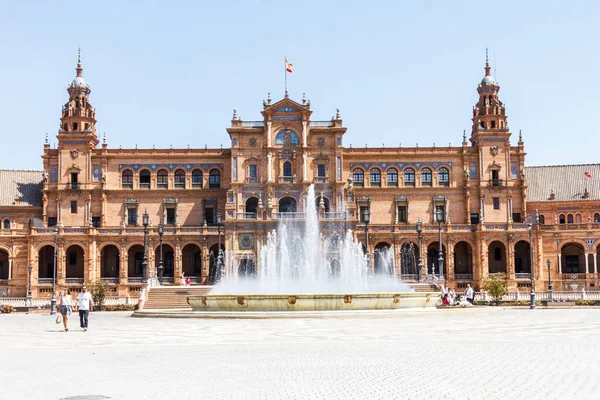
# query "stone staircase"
(423, 287)
(170, 297)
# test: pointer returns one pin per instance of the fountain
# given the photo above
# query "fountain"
(299, 268)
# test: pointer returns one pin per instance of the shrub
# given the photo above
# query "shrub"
(587, 303)
(98, 289)
(7, 309)
(120, 307)
(496, 286)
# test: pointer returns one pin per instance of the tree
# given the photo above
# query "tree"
(98, 289)
(496, 286)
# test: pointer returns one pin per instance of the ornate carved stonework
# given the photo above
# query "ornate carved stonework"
(74, 153)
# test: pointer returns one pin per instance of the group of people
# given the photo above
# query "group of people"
(185, 281)
(451, 298)
(84, 306)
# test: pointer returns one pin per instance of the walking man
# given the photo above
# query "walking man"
(469, 293)
(85, 305)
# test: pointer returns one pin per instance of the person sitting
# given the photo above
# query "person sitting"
(188, 281)
(446, 300)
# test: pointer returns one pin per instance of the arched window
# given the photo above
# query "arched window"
(426, 177)
(197, 178)
(127, 179)
(180, 178)
(409, 177)
(597, 218)
(443, 177)
(578, 218)
(6, 224)
(570, 219)
(375, 177)
(162, 179)
(145, 179)
(287, 169)
(287, 137)
(214, 179)
(359, 177)
(561, 218)
(392, 177)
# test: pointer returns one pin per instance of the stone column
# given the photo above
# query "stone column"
(269, 123)
(269, 168)
(123, 270)
(205, 262)
(304, 174)
(595, 263)
(587, 258)
(450, 262)
(510, 262)
(10, 267)
(178, 267)
(304, 134)
(559, 263)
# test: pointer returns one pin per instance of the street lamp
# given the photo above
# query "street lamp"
(366, 220)
(53, 299)
(29, 297)
(532, 292)
(161, 231)
(219, 254)
(420, 266)
(145, 222)
(439, 216)
(549, 281)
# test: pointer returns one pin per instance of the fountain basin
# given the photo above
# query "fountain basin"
(312, 302)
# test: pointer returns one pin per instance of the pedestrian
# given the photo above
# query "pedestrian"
(65, 307)
(469, 293)
(182, 279)
(85, 306)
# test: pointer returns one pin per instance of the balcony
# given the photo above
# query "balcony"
(44, 281)
(520, 275)
(463, 277)
(110, 281)
(495, 182)
(287, 179)
(74, 281)
(73, 185)
(321, 180)
(135, 279)
(144, 185)
(573, 276)
(336, 216)
(246, 215)
(253, 180)
(289, 215)
(409, 277)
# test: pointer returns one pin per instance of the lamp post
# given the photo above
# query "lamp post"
(367, 219)
(532, 292)
(29, 297)
(161, 231)
(219, 231)
(549, 281)
(439, 215)
(420, 265)
(145, 261)
(53, 299)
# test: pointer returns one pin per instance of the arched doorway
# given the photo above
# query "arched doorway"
(287, 204)
(496, 257)
(251, 205)
(192, 262)
(46, 262)
(433, 263)
(168, 274)
(409, 261)
(246, 268)
(109, 262)
(522, 260)
(325, 203)
(216, 264)
(4, 264)
(75, 263)
(135, 258)
(383, 259)
(335, 269)
(463, 261)
(572, 258)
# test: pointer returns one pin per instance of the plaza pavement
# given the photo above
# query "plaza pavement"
(452, 354)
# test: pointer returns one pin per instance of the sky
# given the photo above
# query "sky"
(401, 72)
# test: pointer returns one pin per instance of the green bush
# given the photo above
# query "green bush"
(587, 303)
(98, 289)
(496, 286)
(120, 307)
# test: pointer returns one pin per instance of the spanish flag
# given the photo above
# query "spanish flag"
(288, 66)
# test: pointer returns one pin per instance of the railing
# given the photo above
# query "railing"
(321, 123)
(463, 277)
(574, 276)
(246, 215)
(409, 277)
(73, 281)
(45, 302)
(137, 279)
(144, 185)
(73, 185)
(253, 180)
(321, 180)
(166, 279)
(335, 215)
(196, 279)
(45, 281)
(433, 280)
(495, 182)
(253, 124)
(522, 275)
(288, 215)
(526, 296)
(287, 179)
(110, 281)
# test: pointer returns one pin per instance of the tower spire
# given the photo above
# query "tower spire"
(79, 69)
(487, 63)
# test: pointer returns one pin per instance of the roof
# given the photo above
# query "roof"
(568, 182)
(23, 185)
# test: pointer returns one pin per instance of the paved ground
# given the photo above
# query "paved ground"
(459, 354)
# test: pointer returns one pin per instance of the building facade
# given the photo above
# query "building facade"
(83, 213)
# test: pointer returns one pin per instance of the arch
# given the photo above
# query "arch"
(443, 177)
(335, 268)
(496, 257)
(191, 260)
(287, 137)
(577, 218)
(145, 179)
(463, 258)
(252, 204)
(572, 258)
(392, 177)
(561, 218)
(110, 258)
(214, 179)
(569, 218)
(358, 176)
(197, 177)
(426, 177)
(326, 203)
(375, 177)
(4, 264)
(596, 218)
(127, 179)
(46, 262)
(542, 220)
(246, 268)
(179, 178)
(522, 259)
(162, 179)
(135, 257)
(168, 260)
(6, 224)
(75, 260)
(409, 177)
(433, 264)
(409, 259)
(216, 266)
(383, 259)
(287, 204)
(287, 169)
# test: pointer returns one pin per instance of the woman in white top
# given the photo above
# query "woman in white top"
(65, 307)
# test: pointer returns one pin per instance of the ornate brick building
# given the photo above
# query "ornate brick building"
(85, 208)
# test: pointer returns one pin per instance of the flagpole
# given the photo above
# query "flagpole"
(285, 72)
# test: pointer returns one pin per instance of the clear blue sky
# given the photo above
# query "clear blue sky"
(167, 73)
